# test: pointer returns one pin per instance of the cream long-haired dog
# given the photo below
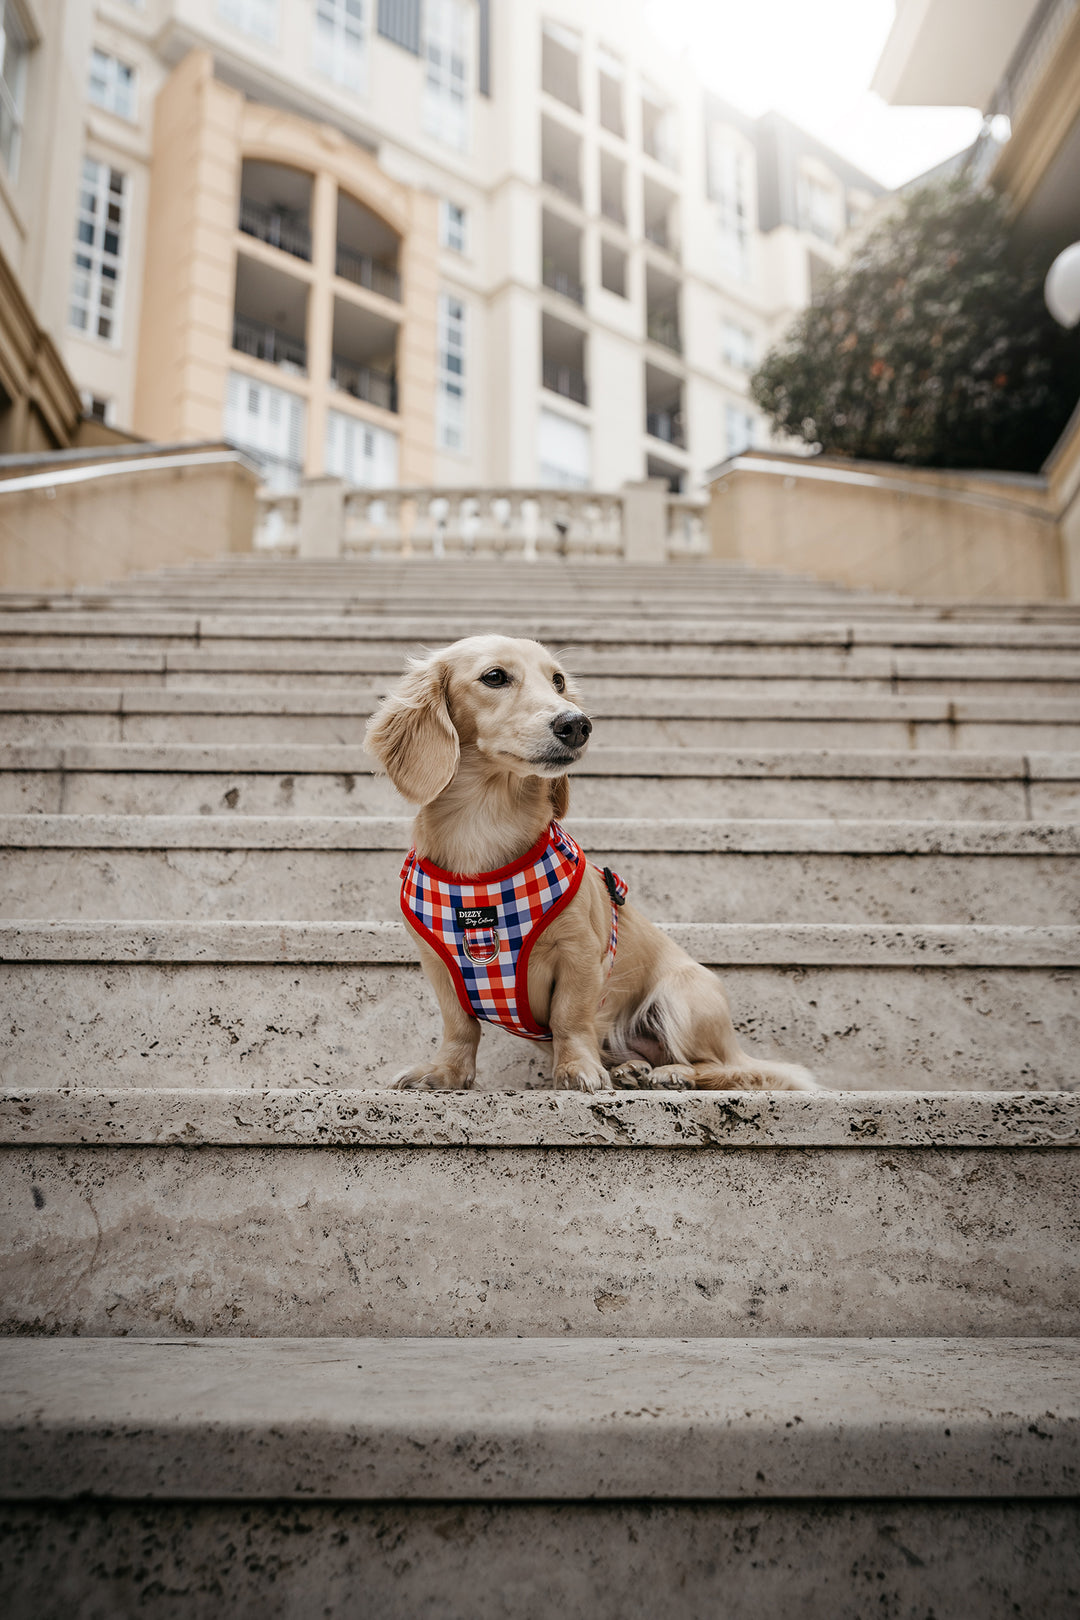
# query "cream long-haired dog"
(480, 735)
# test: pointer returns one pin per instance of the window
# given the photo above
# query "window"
(96, 409)
(563, 452)
(819, 211)
(340, 42)
(451, 413)
(740, 430)
(446, 81)
(453, 226)
(612, 267)
(730, 186)
(112, 84)
(360, 453)
(560, 56)
(610, 83)
(99, 236)
(737, 346)
(268, 423)
(14, 50)
(255, 17)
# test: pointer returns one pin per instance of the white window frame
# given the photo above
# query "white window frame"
(364, 455)
(450, 418)
(740, 429)
(276, 440)
(732, 180)
(448, 71)
(738, 346)
(13, 43)
(341, 42)
(113, 85)
(259, 18)
(97, 269)
(555, 474)
(820, 206)
(453, 226)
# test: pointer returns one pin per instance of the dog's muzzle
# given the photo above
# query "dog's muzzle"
(572, 729)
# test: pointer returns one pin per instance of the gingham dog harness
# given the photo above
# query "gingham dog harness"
(484, 926)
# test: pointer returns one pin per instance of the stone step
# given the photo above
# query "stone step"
(275, 779)
(148, 715)
(159, 627)
(278, 1004)
(819, 671)
(336, 1214)
(340, 868)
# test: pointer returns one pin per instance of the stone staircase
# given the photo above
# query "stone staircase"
(280, 1339)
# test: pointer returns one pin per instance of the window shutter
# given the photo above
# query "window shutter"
(399, 20)
(483, 75)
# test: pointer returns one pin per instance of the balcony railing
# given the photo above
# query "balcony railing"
(364, 382)
(666, 425)
(562, 282)
(364, 271)
(664, 329)
(567, 381)
(568, 184)
(263, 342)
(279, 229)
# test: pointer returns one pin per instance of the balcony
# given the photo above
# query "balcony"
(560, 159)
(264, 342)
(275, 207)
(658, 132)
(567, 381)
(610, 87)
(560, 64)
(660, 213)
(364, 271)
(367, 250)
(664, 407)
(270, 315)
(664, 329)
(560, 246)
(364, 363)
(662, 309)
(666, 425)
(365, 383)
(612, 188)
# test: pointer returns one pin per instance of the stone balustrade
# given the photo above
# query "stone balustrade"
(326, 517)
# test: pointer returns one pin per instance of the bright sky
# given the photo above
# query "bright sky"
(813, 61)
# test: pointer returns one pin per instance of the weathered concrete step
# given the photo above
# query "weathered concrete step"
(310, 780)
(330, 868)
(491, 1421)
(112, 714)
(294, 632)
(820, 672)
(275, 779)
(319, 1235)
(290, 1004)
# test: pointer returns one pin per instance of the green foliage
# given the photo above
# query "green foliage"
(933, 345)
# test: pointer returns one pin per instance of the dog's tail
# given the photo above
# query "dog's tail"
(686, 1021)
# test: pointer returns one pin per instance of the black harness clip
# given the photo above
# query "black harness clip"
(617, 899)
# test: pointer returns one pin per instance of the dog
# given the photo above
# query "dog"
(481, 735)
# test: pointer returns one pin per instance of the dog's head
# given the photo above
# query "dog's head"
(509, 700)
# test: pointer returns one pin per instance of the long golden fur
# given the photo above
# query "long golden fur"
(482, 759)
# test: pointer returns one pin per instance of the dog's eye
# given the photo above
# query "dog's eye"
(495, 677)
(559, 682)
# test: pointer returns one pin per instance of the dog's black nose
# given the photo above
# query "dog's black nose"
(572, 729)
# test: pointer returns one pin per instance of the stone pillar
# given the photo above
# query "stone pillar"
(320, 319)
(645, 521)
(322, 517)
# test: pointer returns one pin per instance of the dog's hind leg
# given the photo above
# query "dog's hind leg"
(688, 1013)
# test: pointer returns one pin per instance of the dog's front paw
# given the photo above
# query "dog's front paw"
(433, 1077)
(632, 1076)
(581, 1076)
(670, 1077)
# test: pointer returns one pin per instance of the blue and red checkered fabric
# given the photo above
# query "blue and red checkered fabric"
(485, 925)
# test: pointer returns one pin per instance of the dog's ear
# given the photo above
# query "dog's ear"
(560, 796)
(412, 735)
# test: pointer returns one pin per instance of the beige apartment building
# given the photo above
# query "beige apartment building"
(455, 242)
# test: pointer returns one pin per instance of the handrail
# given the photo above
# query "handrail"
(81, 475)
(860, 480)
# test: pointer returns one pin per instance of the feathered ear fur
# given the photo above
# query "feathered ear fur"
(560, 796)
(412, 735)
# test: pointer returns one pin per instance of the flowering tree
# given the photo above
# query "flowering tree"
(933, 345)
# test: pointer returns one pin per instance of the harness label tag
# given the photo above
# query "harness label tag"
(476, 916)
